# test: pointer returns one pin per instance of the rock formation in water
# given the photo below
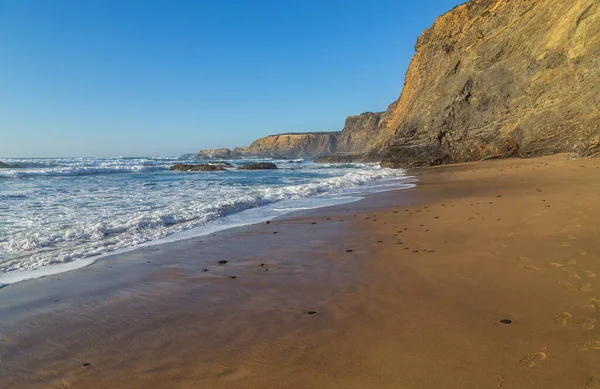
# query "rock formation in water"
(197, 168)
(258, 166)
(3, 165)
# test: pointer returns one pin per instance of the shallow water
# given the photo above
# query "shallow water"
(69, 210)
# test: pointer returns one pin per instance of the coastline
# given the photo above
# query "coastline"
(432, 272)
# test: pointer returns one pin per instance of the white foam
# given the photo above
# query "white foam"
(59, 222)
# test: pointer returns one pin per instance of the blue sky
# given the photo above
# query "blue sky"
(150, 77)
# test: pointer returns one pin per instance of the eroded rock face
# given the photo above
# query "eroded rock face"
(258, 166)
(197, 168)
(3, 165)
(359, 134)
(306, 145)
(499, 78)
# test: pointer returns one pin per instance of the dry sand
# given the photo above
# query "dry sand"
(404, 289)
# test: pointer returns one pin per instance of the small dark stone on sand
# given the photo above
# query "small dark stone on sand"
(262, 265)
(415, 251)
(156, 249)
(222, 262)
(266, 269)
(148, 262)
(267, 222)
(275, 232)
(328, 218)
(499, 196)
(349, 251)
(380, 241)
(313, 223)
(311, 312)
(85, 364)
(506, 321)
(204, 270)
(232, 277)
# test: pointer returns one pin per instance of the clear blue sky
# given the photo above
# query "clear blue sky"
(150, 77)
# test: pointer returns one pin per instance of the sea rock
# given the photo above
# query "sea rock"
(258, 166)
(197, 168)
(498, 79)
(3, 165)
(221, 163)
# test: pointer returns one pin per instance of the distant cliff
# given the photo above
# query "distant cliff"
(359, 133)
(490, 79)
(301, 145)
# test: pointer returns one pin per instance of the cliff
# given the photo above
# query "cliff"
(499, 78)
(359, 133)
(489, 79)
(305, 145)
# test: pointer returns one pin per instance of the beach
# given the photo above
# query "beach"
(484, 275)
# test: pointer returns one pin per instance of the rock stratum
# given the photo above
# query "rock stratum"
(489, 79)
(499, 78)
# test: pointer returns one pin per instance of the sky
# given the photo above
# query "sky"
(167, 77)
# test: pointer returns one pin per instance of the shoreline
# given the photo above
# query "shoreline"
(243, 218)
(405, 288)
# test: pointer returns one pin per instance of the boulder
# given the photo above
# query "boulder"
(258, 166)
(197, 168)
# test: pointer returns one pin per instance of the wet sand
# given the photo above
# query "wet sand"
(483, 276)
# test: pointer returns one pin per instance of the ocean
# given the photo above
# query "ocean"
(64, 213)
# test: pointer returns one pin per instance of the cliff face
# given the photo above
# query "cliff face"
(490, 79)
(308, 145)
(499, 78)
(359, 133)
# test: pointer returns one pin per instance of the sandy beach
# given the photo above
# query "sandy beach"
(483, 276)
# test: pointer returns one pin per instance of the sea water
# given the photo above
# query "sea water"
(59, 214)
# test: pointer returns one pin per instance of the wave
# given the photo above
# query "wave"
(79, 171)
(92, 236)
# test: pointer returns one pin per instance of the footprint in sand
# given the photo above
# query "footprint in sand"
(594, 382)
(529, 267)
(585, 288)
(531, 359)
(571, 274)
(581, 253)
(586, 324)
(523, 259)
(561, 318)
(556, 265)
(588, 345)
(571, 262)
(500, 382)
(589, 274)
(568, 286)
(595, 304)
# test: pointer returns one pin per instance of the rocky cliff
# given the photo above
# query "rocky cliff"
(489, 79)
(499, 78)
(306, 145)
